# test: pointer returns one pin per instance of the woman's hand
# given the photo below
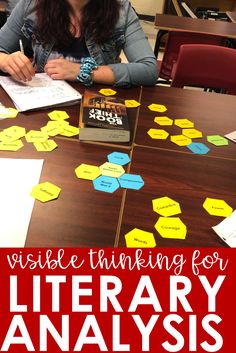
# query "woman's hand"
(62, 69)
(17, 65)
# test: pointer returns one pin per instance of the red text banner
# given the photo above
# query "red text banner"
(117, 300)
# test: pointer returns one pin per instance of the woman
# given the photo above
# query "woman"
(78, 40)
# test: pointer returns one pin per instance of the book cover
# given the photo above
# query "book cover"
(103, 118)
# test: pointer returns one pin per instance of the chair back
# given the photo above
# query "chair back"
(207, 66)
(175, 40)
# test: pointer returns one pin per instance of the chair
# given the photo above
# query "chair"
(174, 41)
(207, 66)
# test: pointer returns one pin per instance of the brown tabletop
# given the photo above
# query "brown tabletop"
(81, 216)
(231, 15)
(187, 179)
(170, 22)
(211, 113)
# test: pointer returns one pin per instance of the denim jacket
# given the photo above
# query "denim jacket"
(128, 37)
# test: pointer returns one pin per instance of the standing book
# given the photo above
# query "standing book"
(40, 93)
(103, 119)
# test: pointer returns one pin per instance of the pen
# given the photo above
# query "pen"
(21, 46)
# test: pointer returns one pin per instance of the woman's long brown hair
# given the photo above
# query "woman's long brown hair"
(97, 21)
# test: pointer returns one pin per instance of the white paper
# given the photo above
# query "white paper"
(17, 178)
(41, 92)
(227, 230)
(231, 136)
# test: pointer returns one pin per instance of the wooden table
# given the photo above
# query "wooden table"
(211, 113)
(231, 15)
(187, 179)
(165, 23)
(84, 217)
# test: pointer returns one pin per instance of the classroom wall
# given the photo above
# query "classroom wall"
(148, 7)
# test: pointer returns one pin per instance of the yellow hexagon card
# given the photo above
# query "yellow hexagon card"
(192, 133)
(158, 134)
(131, 103)
(217, 207)
(157, 108)
(12, 133)
(107, 91)
(11, 146)
(46, 146)
(88, 172)
(184, 123)
(69, 131)
(112, 170)
(163, 120)
(138, 238)
(166, 207)
(171, 227)
(36, 136)
(58, 115)
(45, 192)
(181, 140)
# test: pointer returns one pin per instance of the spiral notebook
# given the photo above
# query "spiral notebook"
(39, 93)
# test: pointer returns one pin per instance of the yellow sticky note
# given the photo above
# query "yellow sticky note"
(163, 120)
(131, 103)
(107, 91)
(138, 238)
(70, 131)
(8, 112)
(57, 123)
(192, 133)
(184, 123)
(158, 134)
(11, 146)
(12, 133)
(157, 107)
(181, 140)
(166, 207)
(58, 115)
(45, 192)
(36, 136)
(52, 130)
(88, 172)
(112, 170)
(46, 146)
(171, 227)
(217, 207)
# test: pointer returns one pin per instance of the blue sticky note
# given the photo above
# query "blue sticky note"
(106, 184)
(118, 158)
(131, 181)
(198, 148)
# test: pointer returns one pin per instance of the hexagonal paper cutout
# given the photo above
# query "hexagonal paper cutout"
(12, 133)
(107, 91)
(165, 206)
(47, 146)
(87, 171)
(106, 184)
(112, 170)
(131, 181)
(217, 207)
(45, 192)
(163, 120)
(171, 227)
(158, 134)
(198, 148)
(184, 123)
(157, 108)
(36, 136)
(131, 103)
(138, 238)
(11, 146)
(58, 115)
(217, 140)
(118, 158)
(192, 133)
(180, 140)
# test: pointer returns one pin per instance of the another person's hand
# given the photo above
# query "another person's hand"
(17, 65)
(62, 69)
